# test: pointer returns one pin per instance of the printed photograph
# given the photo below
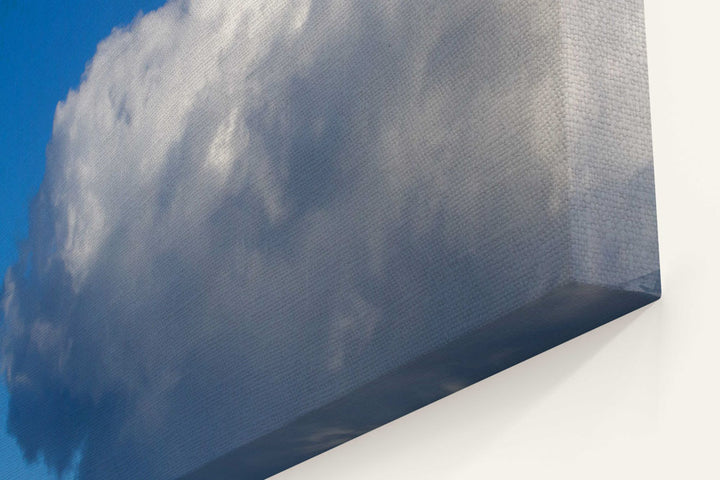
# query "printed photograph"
(236, 234)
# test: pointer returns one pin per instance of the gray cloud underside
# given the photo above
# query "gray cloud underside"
(249, 206)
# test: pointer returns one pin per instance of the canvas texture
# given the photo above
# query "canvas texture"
(267, 227)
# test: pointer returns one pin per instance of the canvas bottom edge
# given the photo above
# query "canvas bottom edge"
(557, 317)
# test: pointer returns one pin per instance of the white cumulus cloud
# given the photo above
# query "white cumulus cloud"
(250, 206)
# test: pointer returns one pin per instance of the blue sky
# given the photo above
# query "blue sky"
(44, 46)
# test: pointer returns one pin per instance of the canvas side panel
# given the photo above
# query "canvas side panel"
(612, 194)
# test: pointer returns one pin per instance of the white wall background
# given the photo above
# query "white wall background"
(638, 398)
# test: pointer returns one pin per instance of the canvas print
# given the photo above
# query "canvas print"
(239, 233)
